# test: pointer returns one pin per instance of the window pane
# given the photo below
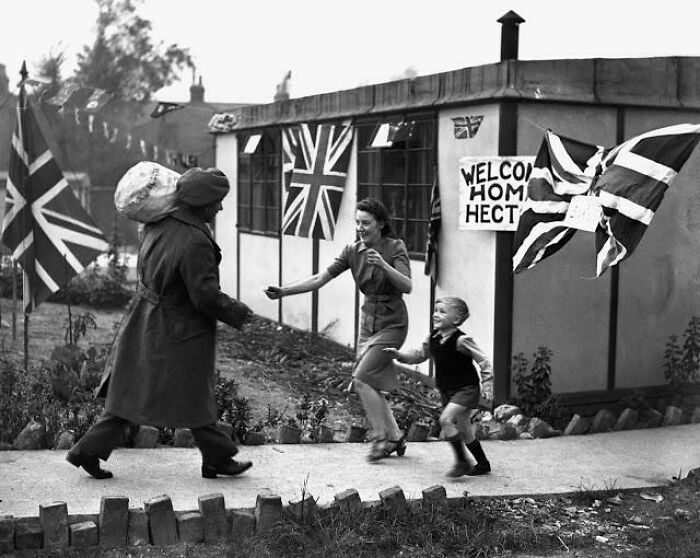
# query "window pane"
(273, 220)
(271, 169)
(393, 167)
(419, 202)
(423, 131)
(258, 223)
(365, 133)
(419, 167)
(399, 227)
(416, 235)
(243, 216)
(272, 194)
(258, 166)
(393, 198)
(243, 192)
(270, 141)
(258, 194)
(364, 191)
(243, 167)
(368, 165)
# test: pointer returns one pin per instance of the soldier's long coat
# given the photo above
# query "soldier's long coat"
(160, 371)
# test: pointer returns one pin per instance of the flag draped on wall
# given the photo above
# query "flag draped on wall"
(318, 180)
(563, 168)
(50, 234)
(467, 126)
(635, 177)
(434, 226)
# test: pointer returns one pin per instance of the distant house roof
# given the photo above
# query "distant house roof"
(185, 129)
(652, 82)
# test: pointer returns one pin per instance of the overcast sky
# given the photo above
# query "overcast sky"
(243, 48)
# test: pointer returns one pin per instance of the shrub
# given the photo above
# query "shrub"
(98, 287)
(682, 366)
(311, 414)
(231, 407)
(534, 387)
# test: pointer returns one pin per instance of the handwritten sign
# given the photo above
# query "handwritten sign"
(491, 191)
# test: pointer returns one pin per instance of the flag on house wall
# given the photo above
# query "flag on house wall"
(636, 175)
(563, 168)
(48, 231)
(318, 181)
(434, 226)
(467, 126)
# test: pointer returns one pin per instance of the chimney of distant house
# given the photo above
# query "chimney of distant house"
(509, 35)
(4, 81)
(197, 92)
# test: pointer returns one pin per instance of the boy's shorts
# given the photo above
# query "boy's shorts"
(467, 396)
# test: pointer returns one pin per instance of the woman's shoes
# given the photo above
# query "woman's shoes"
(398, 446)
(378, 450)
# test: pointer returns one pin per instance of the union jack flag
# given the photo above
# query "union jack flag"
(563, 168)
(50, 234)
(636, 175)
(434, 226)
(318, 180)
(467, 126)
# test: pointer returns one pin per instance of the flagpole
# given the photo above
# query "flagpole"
(25, 287)
(14, 300)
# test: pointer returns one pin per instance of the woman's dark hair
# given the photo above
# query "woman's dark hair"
(378, 210)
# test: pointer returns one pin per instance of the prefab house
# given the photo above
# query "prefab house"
(607, 333)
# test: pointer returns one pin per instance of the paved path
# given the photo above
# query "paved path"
(631, 459)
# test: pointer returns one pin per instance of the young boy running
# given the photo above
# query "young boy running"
(460, 382)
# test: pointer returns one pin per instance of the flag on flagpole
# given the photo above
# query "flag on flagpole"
(318, 181)
(636, 175)
(563, 169)
(434, 226)
(48, 231)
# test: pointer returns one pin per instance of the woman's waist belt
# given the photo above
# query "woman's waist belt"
(381, 298)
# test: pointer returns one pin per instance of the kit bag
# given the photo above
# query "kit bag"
(146, 192)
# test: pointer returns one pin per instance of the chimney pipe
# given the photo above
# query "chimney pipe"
(509, 35)
(197, 92)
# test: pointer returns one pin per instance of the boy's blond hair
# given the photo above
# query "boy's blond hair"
(458, 304)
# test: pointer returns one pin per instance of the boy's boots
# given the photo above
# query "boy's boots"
(482, 466)
(462, 466)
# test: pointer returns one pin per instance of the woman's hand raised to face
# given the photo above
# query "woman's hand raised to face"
(273, 293)
(375, 258)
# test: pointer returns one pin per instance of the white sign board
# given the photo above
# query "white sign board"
(491, 191)
(584, 213)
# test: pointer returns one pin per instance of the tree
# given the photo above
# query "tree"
(124, 60)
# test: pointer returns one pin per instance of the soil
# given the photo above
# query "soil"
(273, 365)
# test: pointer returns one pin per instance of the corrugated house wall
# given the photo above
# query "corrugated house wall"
(607, 334)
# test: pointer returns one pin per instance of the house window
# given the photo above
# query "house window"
(259, 183)
(398, 169)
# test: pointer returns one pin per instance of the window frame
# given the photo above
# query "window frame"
(378, 186)
(267, 176)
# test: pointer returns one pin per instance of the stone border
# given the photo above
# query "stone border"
(157, 523)
(506, 423)
(509, 423)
